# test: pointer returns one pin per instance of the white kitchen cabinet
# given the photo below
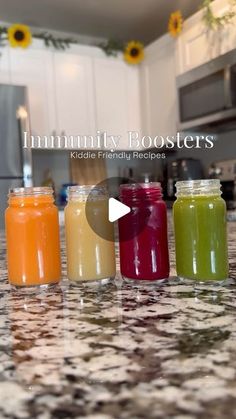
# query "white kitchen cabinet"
(33, 68)
(158, 89)
(74, 94)
(4, 65)
(117, 98)
(198, 45)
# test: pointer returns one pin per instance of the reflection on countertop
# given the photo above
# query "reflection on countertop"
(117, 351)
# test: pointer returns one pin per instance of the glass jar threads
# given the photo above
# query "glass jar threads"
(90, 256)
(32, 234)
(143, 233)
(200, 230)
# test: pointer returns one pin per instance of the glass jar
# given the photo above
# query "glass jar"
(90, 256)
(200, 230)
(143, 233)
(32, 234)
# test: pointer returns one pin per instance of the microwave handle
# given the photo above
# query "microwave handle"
(227, 87)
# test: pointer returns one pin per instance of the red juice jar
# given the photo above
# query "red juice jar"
(143, 233)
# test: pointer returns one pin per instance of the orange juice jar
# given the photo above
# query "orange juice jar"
(32, 234)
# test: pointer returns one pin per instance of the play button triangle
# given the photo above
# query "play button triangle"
(117, 210)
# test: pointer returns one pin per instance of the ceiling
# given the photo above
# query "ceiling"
(144, 20)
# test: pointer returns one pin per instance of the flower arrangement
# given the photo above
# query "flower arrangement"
(175, 24)
(215, 22)
(133, 51)
(112, 47)
(19, 35)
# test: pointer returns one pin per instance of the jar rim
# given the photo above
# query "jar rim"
(144, 185)
(198, 183)
(82, 191)
(30, 191)
(75, 188)
(198, 187)
(134, 193)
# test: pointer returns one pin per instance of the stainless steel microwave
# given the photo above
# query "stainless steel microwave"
(207, 95)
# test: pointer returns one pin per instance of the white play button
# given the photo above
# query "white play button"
(117, 210)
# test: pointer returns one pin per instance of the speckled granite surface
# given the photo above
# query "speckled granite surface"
(119, 352)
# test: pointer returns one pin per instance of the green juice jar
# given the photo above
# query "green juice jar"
(200, 231)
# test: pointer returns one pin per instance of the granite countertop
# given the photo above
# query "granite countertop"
(119, 352)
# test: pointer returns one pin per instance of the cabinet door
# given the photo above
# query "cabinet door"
(5, 65)
(117, 99)
(198, 45)
(158, 89)
(74, 94)
(33, 68)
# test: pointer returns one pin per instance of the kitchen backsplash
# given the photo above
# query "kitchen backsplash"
(56, 161)
(224, 149)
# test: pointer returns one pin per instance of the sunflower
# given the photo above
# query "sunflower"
(19, 35)
(175, 24)
(134, 52)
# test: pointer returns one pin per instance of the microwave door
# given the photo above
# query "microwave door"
(214, 121)
(202, 97)
(207, 95)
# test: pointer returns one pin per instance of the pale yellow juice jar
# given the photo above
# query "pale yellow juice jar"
(90, 255)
